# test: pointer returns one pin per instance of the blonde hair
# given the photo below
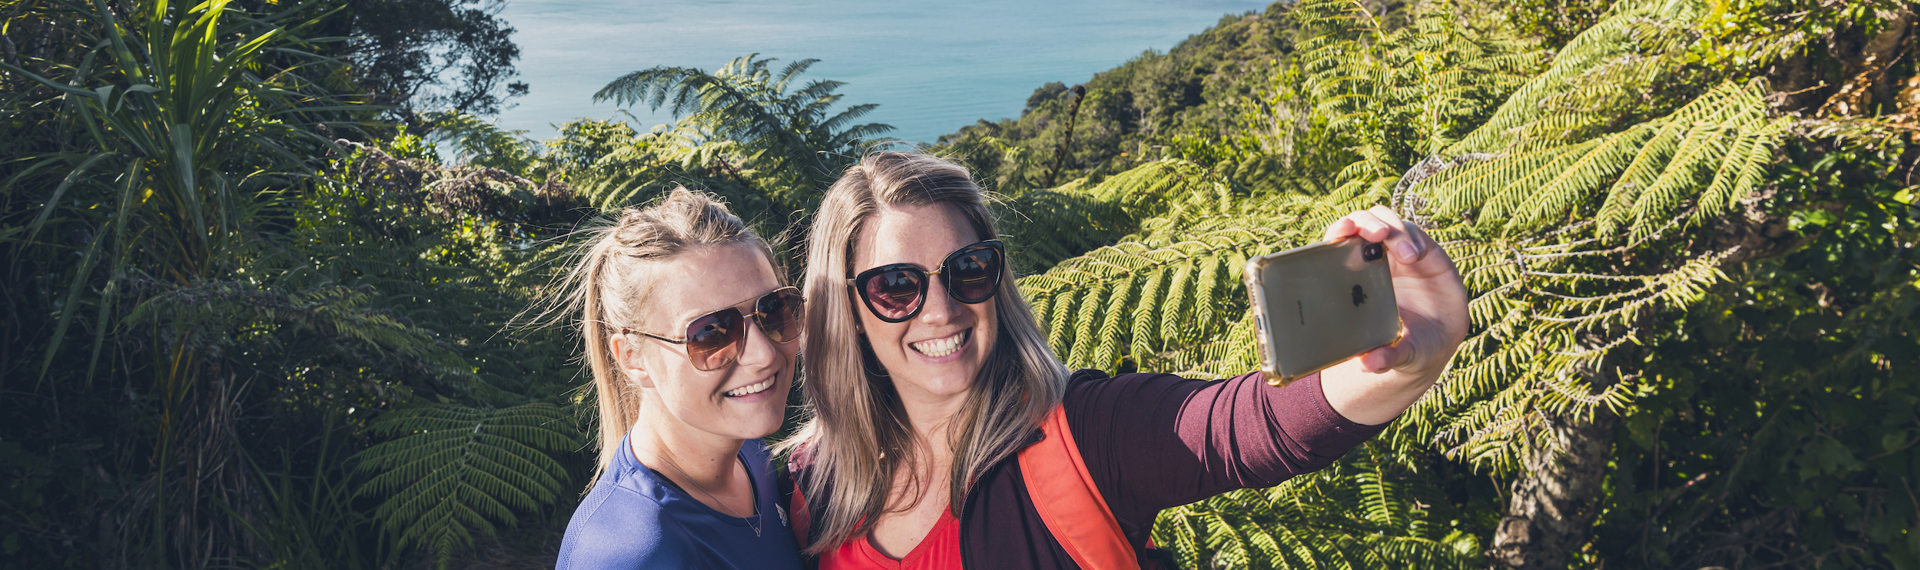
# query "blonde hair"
(609, 288)
(858, 436)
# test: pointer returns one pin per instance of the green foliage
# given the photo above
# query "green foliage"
(1169, 284)
(476, 142)
(412, 58)
(1780, 425)
(449, 469)
(1643, 177)
(201, 314)
(756, 123)
(175, 196)
(1610, 209)
(1168, 298)
(1394, 96)
(145, 162)
(1133, 113)
(1534, 224)
(1062, 222)
(1366, 512)
(184, 135)
(1533, 227)
(1553, 21)
(1618, 70)
(308, 521)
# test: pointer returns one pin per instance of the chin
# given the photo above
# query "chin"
(948, 384)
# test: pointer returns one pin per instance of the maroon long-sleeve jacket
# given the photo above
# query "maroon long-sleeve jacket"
(1151, 442)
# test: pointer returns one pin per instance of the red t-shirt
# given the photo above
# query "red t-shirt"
(940, 550)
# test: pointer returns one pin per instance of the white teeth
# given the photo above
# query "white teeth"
(940, 346)
(754, 389)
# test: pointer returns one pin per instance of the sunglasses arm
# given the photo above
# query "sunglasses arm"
(653, 336)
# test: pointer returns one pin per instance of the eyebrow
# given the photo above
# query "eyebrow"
(689, 316)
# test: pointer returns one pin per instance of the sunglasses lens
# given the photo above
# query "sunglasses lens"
(714, 340)
(894, 294)
(974, 274)
(781, 315)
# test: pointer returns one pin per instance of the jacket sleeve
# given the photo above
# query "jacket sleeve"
(1153, 441)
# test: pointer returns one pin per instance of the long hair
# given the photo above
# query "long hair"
(858, 436)
(609, 289)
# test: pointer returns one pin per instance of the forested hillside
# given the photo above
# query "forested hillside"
(254, 318)
(1188, 98)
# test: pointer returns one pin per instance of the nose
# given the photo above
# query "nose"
(940, 306)
(757, 349)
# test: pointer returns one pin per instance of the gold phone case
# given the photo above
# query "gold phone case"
(1341, 298)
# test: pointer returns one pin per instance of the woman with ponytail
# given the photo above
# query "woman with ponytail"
(690, 332)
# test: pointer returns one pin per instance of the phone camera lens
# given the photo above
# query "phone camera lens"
(1373, 252)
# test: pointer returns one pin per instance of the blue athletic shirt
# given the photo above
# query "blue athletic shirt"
(635, 518)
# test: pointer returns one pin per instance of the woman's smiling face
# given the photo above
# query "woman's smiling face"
(934, 356)
(744, 400)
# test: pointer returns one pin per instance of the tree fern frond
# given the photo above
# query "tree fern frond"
(450, 470)
(1366, 511)
(792, 71)
(1145, 338)
(1572, 94)
(1167, 305)
(1091, 308)
(1649, 173)
(1112, 337)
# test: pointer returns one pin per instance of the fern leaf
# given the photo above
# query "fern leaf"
(1086, 325)
(1112, 333)
(450, 470)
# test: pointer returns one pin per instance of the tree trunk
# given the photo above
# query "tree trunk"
(1866, 74)
(1060, 154)
(1557, 495)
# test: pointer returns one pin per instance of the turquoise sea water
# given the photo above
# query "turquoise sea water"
(932, 66)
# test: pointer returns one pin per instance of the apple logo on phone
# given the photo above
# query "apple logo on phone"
(1359, 296)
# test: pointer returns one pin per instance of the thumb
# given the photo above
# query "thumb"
(1387, 357)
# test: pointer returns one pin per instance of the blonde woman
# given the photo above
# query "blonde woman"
(690, 334)
(927, 374)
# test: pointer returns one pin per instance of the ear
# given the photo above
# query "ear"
(626, 352)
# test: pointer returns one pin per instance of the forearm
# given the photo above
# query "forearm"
(1204, 438)
(1368, 398)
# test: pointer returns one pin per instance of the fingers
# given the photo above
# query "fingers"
(1381, 224)
(1387, 358)
(1409, 243)
(1342, 228)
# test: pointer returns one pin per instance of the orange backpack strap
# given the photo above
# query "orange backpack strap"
(1069, 503)
(798, 516)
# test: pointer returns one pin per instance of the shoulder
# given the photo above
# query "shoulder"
(1089, 387)
(1095, 378)
(616, 526)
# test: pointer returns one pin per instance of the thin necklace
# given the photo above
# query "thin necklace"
(752, 523)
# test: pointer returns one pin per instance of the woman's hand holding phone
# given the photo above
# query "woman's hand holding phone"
(1432, 299)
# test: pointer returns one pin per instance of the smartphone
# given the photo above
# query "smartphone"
(1321, 304)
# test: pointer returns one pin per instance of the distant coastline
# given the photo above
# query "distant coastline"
(932, 69)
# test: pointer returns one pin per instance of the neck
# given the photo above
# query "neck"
(931, 419)
(668, 447)
(924, 476)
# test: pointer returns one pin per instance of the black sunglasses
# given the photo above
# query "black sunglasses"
(896, 292)
(714, 340)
